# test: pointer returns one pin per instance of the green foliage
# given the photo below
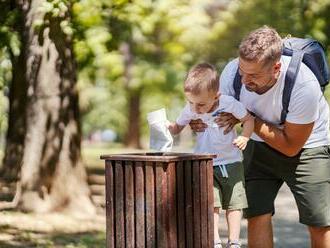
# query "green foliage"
(53, 11)
(163, 42)
(164, 37)
(298, 18)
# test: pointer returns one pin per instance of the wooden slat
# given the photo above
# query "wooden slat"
(172, 214)
(139, 205)
(189, 205)
(150, 205)
(204, 208)
(196, 204)
(210, 203)
(119, 205)
(165, 204)
(180, 179)
(109, 205)
(161, 193)
(129, 205)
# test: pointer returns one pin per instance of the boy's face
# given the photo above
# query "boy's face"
(203, 102)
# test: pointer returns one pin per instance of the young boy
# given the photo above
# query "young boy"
(201, 89)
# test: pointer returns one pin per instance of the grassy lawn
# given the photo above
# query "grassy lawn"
(91, 153)
(19, 230)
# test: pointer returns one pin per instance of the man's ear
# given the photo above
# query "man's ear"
(277, 67)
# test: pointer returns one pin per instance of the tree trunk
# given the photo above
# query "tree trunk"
(53, 177)
(12, 161)
(132, 136)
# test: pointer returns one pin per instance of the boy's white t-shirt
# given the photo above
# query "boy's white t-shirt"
(307, 103)
(212, 140)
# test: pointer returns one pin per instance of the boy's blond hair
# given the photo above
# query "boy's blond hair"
(202, 77)
(263, 45)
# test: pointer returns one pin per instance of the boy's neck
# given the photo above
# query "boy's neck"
(214, 107)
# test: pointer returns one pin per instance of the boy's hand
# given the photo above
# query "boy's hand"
(171, 127)
(241, 142)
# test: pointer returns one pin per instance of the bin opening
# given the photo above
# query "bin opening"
(157, 156)
(160, 154)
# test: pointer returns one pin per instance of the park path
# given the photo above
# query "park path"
(288, 232)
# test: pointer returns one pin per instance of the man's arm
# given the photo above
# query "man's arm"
(197, 125)
(288, 140)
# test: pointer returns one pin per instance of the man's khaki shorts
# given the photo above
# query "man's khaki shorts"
(307, 175)
(229, 192)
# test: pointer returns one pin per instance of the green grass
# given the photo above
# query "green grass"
(91, 153)
(27, 238)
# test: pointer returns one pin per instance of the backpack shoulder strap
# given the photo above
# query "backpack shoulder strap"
(237, 85)
(290, 78)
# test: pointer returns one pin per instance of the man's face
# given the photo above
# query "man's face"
(203, 102)
(258, 77)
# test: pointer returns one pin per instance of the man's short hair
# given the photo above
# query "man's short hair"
(261, 45)
(202, 77)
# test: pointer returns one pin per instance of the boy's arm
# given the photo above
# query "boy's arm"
(175, 128)
(248, 125)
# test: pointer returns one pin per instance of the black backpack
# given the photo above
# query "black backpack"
(308, 51)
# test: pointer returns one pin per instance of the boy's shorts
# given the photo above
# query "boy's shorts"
(306, 174)
(229, 192)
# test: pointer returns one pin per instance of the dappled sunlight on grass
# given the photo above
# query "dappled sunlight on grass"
(51, 230)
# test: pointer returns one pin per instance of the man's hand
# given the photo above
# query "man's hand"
(241, 142)
(197, 125)
(226, 120)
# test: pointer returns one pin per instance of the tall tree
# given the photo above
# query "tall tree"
(12, 28)
(52, 176)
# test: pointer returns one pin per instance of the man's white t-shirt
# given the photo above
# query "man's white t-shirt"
(307, 103)
(212, 140)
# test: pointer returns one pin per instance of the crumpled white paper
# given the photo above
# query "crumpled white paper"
(160, 137)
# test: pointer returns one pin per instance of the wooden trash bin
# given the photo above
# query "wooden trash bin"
(159, 200)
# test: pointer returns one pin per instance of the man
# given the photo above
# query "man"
(296, 152)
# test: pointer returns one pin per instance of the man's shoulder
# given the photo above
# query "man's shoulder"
(231, 66)
(227, 77)
(304, 75)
